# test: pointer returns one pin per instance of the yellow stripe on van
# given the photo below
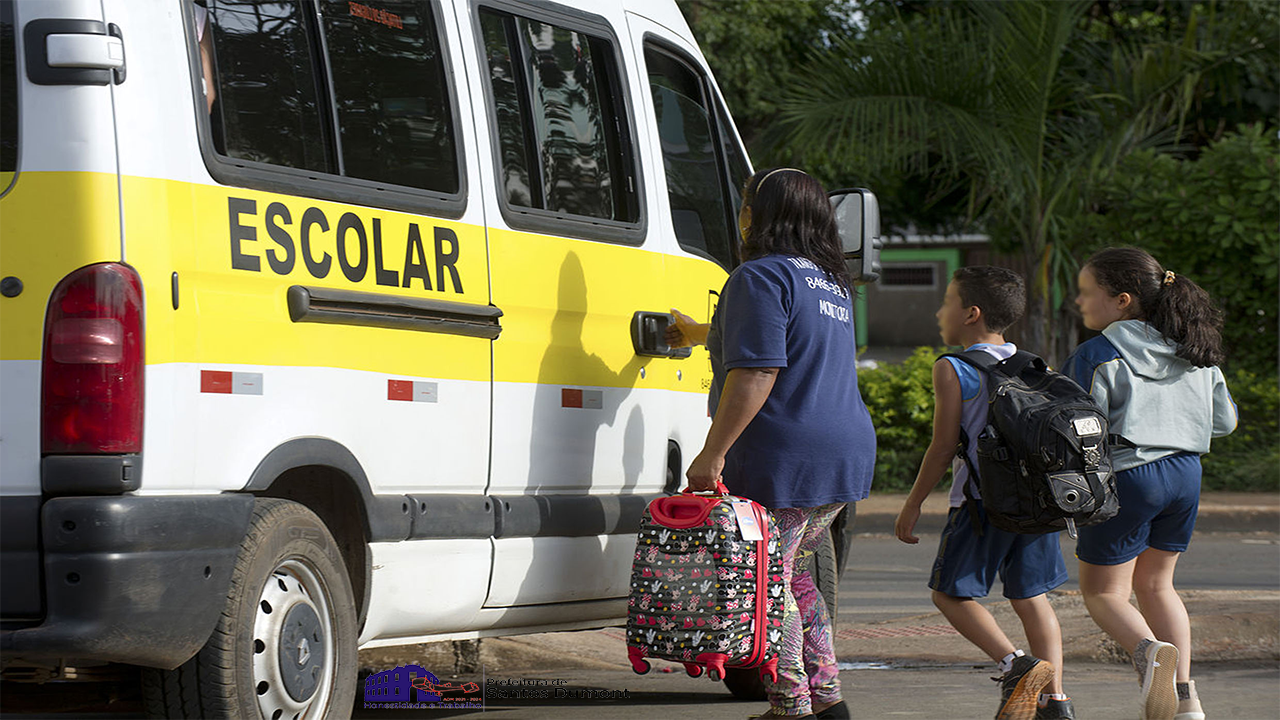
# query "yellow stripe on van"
(50, 225)
(566, 302)
(575, 300)
(237, 252)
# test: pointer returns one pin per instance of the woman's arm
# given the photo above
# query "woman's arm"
(745, 390)
(685, 332)
(942, 448)
(206, 65)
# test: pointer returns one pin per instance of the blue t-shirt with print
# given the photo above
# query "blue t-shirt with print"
(812, 442)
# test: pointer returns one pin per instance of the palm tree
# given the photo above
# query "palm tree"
(1014, 102)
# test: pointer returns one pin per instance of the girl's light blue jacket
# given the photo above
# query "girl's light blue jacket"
(1158, 402)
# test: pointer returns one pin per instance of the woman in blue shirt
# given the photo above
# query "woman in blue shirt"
(789, 427)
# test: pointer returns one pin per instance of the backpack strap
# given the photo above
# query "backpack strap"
(1011, 366)
(962, 448)
(983, 362)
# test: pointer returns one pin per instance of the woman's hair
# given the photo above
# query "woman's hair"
(791, 214)
(1175, 306)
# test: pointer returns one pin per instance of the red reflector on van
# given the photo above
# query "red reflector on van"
(92, 366)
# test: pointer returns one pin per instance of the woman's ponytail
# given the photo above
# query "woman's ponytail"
(1180, 310)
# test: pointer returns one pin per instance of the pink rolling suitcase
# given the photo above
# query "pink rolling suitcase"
(706, 585)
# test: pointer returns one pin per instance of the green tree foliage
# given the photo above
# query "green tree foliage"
(755, 49)
(1249, 458)
(1004, 100)
(900, 400)
(1241, 86)
(1216, 220)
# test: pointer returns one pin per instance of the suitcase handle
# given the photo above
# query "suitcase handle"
(682, 511)
(720, 490)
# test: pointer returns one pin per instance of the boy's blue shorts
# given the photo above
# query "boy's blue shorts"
(966, 566)
(1158, 506)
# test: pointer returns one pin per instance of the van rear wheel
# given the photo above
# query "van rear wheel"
(285, 644)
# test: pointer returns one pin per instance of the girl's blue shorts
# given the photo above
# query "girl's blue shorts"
(1158, 505)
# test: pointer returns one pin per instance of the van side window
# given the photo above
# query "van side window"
(336, 87)
(268, 107)
(8, 94)
(700, 186)
(563, 144)
(391, 94)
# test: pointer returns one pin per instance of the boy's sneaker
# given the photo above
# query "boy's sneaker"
(1020, 688)
(1188, 703)
(1157, 665)
(1057, 710)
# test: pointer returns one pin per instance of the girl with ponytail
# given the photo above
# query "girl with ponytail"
(1154, 371)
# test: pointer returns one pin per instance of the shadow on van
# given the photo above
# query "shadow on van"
(567, 427)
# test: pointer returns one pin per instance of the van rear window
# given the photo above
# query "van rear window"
(8, 92)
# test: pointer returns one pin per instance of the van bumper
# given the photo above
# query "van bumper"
(130, 579)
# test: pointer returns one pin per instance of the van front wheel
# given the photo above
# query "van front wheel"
(285, 645)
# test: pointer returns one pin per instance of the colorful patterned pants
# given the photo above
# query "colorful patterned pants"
(807, 671)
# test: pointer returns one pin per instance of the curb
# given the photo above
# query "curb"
(1219, 513)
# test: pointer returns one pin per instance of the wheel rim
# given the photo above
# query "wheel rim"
(293, 648)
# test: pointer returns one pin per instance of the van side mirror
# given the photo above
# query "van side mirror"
(858, 221)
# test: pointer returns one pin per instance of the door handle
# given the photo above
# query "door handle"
(648, 335)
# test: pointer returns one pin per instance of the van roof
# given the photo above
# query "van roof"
(664, 13)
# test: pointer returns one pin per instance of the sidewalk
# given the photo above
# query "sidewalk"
(1226, 626)
(1100, 692)
(1231, 628)
(1219, 512)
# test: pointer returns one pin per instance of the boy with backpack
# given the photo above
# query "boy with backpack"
(980, 304)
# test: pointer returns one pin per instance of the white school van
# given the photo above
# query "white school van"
(331, 324)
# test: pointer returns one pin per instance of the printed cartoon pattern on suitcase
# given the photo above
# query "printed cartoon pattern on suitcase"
(701, 595)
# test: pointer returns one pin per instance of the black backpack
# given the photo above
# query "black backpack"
(1043, 459)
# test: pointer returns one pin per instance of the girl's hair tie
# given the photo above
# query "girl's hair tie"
(1168, 278)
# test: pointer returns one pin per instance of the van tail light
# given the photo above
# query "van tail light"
(92, 365)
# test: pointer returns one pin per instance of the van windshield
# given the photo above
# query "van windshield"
(8, 96)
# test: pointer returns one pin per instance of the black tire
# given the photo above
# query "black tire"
(289, 592)
(822, 566)
(842, 529)
(745, 683)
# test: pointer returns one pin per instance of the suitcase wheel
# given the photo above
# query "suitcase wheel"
(770, 670)
(715, 665)
(694, 669)
(638, 664)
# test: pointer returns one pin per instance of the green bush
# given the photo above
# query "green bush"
(900, 399)
(1249, 458)
(1214, 220)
